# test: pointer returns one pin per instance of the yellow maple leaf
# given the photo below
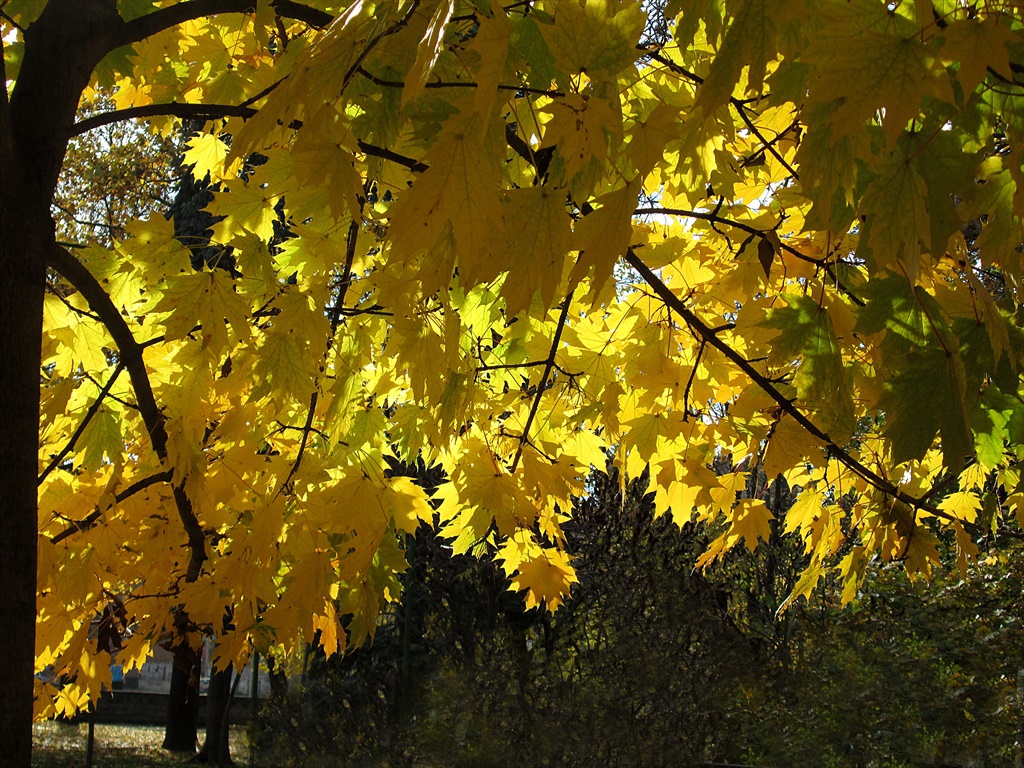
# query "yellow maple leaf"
(208, 154)
(683, 487)
(748, 523)
(603, 235)
(207, 299)
(964, 505)
(581, 127)
(427, 52)
(458, 193)
(407, 504)
(492, 43)
(593, 36)
(246, 207)
(977, 45)
(538, 239)
(870, 70)
(789, 445)
(898, 226)
(332, 635)
(547, 576)
(322, 159)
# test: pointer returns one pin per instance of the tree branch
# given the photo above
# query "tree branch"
(167, 109)
(714, 218)
(86, 522)
(89, 520)
(386, 154)
(139, 29)
(217, 112)
(553, 93)
(542, 385)
(93, 410)
(707, 336)
(130, 355)
(741, 110)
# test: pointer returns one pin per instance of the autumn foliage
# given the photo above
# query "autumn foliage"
(514, 241)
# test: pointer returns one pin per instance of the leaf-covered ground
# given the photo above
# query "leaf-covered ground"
(57, 745)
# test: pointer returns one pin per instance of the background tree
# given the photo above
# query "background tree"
(787, 181)
(698, 665)
(110, 177)
(645, 641)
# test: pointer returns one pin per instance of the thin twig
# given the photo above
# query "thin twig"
(335, 318)
(88, 521)
(553, 93)
(714, 219)
(542, 385)
(93, 410)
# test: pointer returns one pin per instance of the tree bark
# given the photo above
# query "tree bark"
(181, 731)
(61, 49)
(216, 748)
(22, 277)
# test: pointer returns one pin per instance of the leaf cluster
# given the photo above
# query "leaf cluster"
(512, 241)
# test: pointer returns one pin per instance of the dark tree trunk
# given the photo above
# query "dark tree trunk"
(22, 277)
(216, 749)
(61, 49)
(278, 679)
(181, 731)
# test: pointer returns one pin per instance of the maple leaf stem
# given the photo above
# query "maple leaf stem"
(130, 355)
(89, 414)
(702, 330)
(927, 315)
(115, 398)
(542, 385)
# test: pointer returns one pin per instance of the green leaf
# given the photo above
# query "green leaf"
(807, 339)
(749, 42)
(923, 374)
(594, 36)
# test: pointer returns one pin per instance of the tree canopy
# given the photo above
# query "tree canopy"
(510, 241)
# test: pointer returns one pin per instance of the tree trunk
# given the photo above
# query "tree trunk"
(61, 49)
(181, 730)
(216, 749)
(278, 679)
(22, 277)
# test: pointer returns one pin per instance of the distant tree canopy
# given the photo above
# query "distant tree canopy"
(508, 241)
